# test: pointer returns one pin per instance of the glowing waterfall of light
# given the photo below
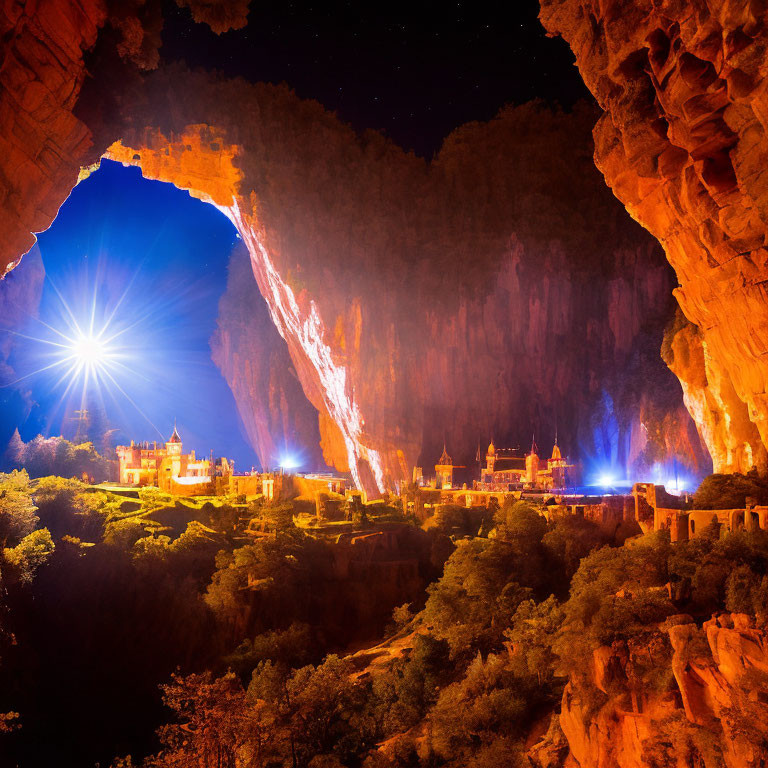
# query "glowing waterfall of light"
(307, 329)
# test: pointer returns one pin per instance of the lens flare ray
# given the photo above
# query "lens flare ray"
(90, 345)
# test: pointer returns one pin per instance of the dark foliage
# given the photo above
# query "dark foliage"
(731, 491)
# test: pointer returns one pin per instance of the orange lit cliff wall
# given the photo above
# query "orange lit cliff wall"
(45, 131)
(278, 419)
(682, 144)
(42, 144)
(682, 696)
(495, 291)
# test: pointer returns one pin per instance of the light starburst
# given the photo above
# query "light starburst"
(87, 348)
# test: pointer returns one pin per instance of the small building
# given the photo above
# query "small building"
(444, 470)
(169, 468)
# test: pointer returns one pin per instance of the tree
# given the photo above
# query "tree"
(29, 554)
(746, 591)
(17, 510)
(403, 696)
(731, 491)
(14, 453)
(56, 456)
(215, 728)
(521, 523)
(617, 594)
(292, 647)
(569, 540)
(67, 507)
(489, 704)
(123, 533)
(477, 595)
(314, 710)
(530, 637)
(267, 584)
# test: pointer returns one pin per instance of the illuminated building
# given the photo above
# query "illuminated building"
(444, 470)
(557, 466)
(168, 468)
(505, 468)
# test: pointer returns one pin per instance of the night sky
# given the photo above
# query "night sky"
(412, 71)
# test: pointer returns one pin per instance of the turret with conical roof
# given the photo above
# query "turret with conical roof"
(173, 444)
(557, 467)
(444, 470)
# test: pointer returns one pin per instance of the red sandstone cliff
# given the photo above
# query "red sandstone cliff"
(42, 144)
(708, 706)
(682, 144)
(493, 292)
(278, 418)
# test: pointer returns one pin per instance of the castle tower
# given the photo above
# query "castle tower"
(532, 465)
(173, 445)
(444, 470)
(170, 466)
(557, 466)
(490, 459)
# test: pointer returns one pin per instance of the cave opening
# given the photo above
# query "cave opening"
(154, 268)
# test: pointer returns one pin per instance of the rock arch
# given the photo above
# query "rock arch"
(202, 160)
(491, 290)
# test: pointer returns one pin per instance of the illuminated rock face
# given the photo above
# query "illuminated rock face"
(42, 143)
(713, 713)
(682, 144)
(279, 420)
(711, 399)
(495, 292)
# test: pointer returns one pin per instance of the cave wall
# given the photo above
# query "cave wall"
(492, 293)
(278, 419)
(709, 710)
(496, 291)
(681, 142)
(42, 143)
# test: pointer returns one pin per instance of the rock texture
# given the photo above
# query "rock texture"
(458, 301)
(682, 144)
(708, 709)
(42, 143)
(711, 399)
(44, 139)
(495, 292)
(278, 418)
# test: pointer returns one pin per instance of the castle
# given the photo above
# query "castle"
(505, 470)
(168, 468)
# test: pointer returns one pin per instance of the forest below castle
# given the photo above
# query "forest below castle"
(165, 633)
